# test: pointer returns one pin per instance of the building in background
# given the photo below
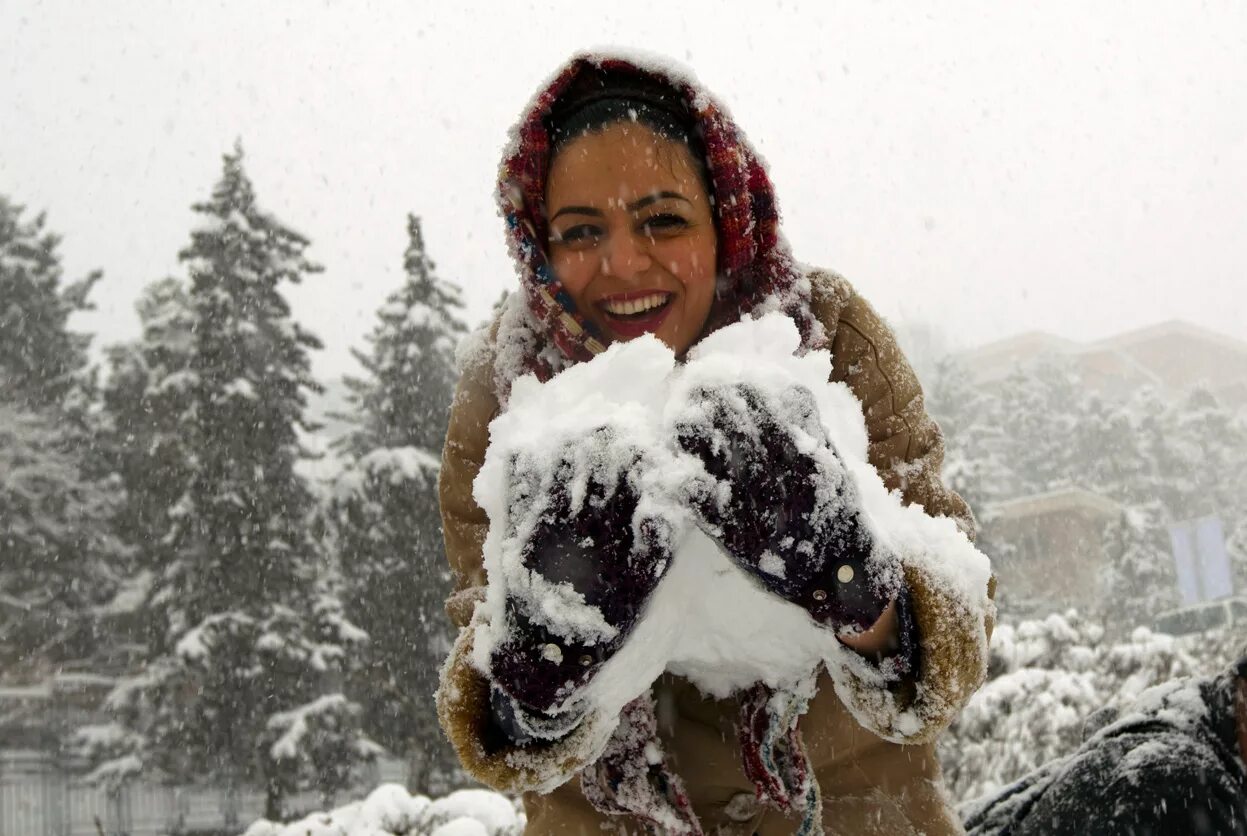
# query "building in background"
(1173, 356)
(1057, 549)
(1054, 539)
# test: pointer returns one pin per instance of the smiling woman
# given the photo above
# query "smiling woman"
(634, 206)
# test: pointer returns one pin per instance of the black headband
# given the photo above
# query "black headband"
(606, 96)
(604, 111)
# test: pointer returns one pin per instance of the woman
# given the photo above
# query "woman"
(635, 206)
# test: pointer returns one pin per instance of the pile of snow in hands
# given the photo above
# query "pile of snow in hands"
(707, 620)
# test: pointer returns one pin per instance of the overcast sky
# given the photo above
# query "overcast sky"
(1079, 168)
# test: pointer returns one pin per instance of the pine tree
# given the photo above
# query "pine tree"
(58, 558)
(1041, 407)
(385, 510)
(405, 399)
(241, 641)
(1139, 579)
(42, 361)
(1104, 446)
(145, 398)
(976, 457)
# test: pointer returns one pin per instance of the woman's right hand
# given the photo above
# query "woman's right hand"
(580, 526)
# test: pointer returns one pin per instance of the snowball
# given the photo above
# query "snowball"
(707, 620)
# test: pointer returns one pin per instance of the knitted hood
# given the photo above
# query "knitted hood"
(755, 271)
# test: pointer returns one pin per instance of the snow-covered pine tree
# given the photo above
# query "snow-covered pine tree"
(976, 457)
(58, 558)
(146, 396)
(385, 513)
(1139, 579)
(43, 362)
(1040, 406)
(405, 399)
(1104, 445)
(1211, 446)
(240, 642)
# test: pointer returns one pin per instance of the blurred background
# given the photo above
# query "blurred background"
(221, 573)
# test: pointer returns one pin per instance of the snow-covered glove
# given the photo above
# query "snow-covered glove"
(594, 553)
(783, 505)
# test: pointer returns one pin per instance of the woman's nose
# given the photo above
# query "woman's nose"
(626, 256)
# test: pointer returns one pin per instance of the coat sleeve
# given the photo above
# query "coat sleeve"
(463, 694)
(906, 447)
(464, 523)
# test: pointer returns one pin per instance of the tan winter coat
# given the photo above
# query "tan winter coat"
(870, 785)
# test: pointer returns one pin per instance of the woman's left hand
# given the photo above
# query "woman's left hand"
(882, 639)
(788, 514)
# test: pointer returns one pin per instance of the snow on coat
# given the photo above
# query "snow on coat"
(708, 621)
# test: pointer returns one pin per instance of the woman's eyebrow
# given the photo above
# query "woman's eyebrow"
(654, 198)
(577, 210)
(635, 206)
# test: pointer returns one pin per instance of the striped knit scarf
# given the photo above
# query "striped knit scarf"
(755, 274)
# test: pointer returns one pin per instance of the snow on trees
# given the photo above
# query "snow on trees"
(1054, 681)
(145, 399)
(1161, 459)
(58, 556)
(384, 513)
(238, 636)
(41, 358)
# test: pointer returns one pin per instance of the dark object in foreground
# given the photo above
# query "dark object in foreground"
(1168, 764)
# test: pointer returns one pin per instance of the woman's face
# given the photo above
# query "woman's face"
(632, 235)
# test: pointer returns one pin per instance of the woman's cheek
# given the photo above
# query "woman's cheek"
(573, 270)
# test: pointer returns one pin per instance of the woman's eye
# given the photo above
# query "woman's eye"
(664, 222)
(577, 233)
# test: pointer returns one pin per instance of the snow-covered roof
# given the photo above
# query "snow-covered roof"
(1169, 329)
(1038, 342)
(1138, 356)
(1029, 342)
(1054, 501)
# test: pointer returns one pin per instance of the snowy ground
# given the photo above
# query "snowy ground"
(1049, 676)
(391, 811)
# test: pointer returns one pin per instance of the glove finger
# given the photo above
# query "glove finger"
(853, 593)
(540, 669)
(800, 409)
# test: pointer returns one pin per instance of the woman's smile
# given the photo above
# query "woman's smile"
(635, 312)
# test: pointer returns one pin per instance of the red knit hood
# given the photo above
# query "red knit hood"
(755, 269)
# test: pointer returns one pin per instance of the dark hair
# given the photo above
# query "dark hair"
(606, 99)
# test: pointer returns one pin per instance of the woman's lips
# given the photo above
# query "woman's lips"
(634, 325)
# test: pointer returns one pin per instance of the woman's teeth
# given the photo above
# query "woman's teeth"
(636, 306)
